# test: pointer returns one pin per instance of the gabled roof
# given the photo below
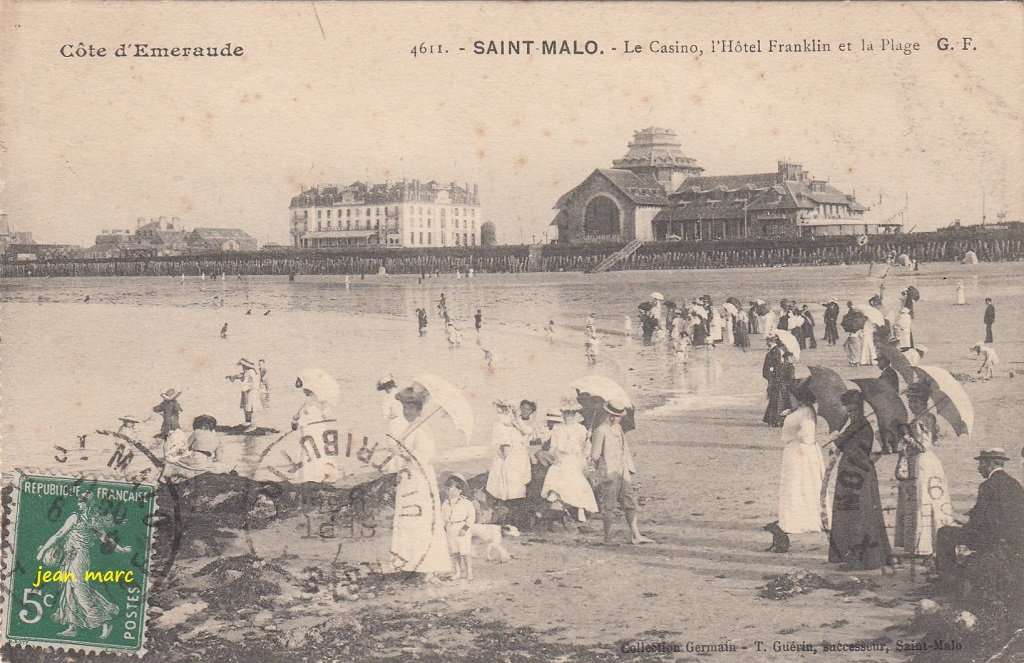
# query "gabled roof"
(755, 181)
(220, 233)
(702, 209)
(779, 197)
(640, 189)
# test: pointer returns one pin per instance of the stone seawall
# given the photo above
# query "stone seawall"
(990, 246)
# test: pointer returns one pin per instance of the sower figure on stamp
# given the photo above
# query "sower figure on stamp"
(80, 604)
(995, 530)
(610, 453)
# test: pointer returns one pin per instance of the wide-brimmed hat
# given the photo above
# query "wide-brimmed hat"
(553, 416)
(129, 419)
(170, 394)
(995, 453)
(414, 394)
(450, 476)
(385, 379)
(614, 407)
(568, 404)
(246, 363)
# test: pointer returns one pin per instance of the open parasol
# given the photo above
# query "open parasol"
(887, 404)
(700, 311)
(950, 400)
(853, 321)
(795, 320)
(735, 301)
(731, 308)
(827, 386)
(446, 396)
(873, 315)
(762, 307)
(657, 295)
(789, 342)
(645, 306)
(898, 361)
(913, 294)
(593, 391)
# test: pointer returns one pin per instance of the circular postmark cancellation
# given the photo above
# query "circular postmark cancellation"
(77, 561)
(341, 483)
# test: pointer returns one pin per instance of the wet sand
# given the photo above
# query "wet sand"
(707, 469)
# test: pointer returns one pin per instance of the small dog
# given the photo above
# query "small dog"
(492, 535)
(780, 540)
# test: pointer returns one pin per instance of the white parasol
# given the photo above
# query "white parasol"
(873, 315)
(446, 396)
(323, 386)
(795, 320)
(700, 311)
(951, 401)
(789, 342)
(657, 295)
(731, 308)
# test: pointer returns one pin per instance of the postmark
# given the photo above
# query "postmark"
(77, 570)
(340, 479)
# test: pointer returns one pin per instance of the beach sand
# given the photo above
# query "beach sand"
(708, 471)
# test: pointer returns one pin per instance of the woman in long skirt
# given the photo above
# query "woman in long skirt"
(858, 537)
(81, 605)
(831, 319)
(867, 348)
(418, 540)
(803, 468)
(510, 470)
(566, 481)
(742, 332)
(778, 371)
(923, 505)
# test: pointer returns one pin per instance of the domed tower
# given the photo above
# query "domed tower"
(658, 153)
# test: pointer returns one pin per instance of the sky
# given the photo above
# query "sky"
(329, 93)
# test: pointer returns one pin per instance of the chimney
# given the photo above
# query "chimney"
(476, 194)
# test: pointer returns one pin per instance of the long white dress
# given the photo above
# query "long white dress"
(565, 477)
(508, 476)
(319, 464)
(867, 349)
(803, 469)
(923, 505)
(417, 536)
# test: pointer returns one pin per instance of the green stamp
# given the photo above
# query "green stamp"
(79, 564)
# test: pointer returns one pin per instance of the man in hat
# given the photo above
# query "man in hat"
(610, 453)
(990, 318)
(996, 523)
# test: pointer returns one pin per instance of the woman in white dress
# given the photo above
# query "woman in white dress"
(867, 348)
(510, 469)
(803, 467)
(960, 301)
(566, 481)
(727, 328)
(418, 540)
(923, 505)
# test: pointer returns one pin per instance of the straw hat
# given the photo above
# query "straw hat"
(385, 380)
(615, 408)
(170, 395)
(245, 363)
(413, 394)
(129, 419)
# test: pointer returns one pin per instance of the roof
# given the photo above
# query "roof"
(728, 182)
(640, 189)
(779, 197)
(221, 233)
(702, 209)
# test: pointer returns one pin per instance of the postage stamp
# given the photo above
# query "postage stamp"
(78, 564)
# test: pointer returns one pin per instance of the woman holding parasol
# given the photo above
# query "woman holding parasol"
(858, 537)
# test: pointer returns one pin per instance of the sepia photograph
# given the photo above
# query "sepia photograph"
(511, 331)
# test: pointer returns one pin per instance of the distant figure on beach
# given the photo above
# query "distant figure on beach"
(478, 320)
(777, 370)
(590, 323)
(224, 331)
(86, 300)
(960, 301)
(989, 360)
(808, 340)
(421, 317)
(169, 409)
(831, 319)
(249, 312)
(490, 360)
(442, 306)
(990, 318)
(264, 385)
(348, 282)
(267, 313)
(628, 327)
(250, 401)
(592, 347)
(550, 329)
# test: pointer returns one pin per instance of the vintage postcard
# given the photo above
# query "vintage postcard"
(525, 331)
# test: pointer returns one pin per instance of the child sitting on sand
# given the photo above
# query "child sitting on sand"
(458, 514)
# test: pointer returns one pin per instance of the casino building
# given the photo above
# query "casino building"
(656, 193)
(395, 214)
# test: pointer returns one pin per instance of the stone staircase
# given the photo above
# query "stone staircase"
(617, 257)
